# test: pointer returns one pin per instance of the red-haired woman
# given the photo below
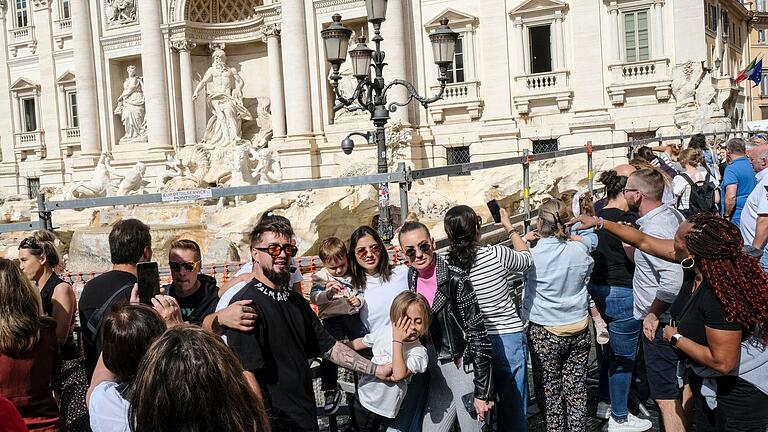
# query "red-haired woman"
(721, 318)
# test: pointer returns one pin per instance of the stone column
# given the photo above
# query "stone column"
(155, 81)
(615, 35)
(658, 30)
(394, 45)
(294, 46)
(277, 100)
(559, 51)
(187, 104)
(470, 57)
(47, 109)
(85, 79)
(17, 112)
(518, 48)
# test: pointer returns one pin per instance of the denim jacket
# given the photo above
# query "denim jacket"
(556, 285)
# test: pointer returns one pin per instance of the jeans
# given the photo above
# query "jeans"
(615, 305)
(764, 260)
(409, 417)
(509, 353)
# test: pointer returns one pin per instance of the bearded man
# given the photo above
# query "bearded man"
(286, 334)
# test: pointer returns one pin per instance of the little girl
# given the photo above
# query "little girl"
(399, 345)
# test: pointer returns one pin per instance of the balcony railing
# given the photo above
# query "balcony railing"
(30, 142)
(651, 74)
(547, 85)
(70, 138)
(463, 97)
(21, 34)
(64, 25)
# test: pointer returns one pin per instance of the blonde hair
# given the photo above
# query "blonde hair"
(553, 215)
(691, 157)
(403, 301)
(21, 311)
(42, 243)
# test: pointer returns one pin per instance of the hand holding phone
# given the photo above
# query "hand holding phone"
(493, 206)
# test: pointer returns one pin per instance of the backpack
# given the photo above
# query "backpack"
(702, 199)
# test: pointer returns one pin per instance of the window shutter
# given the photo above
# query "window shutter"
(629, 37)
(643, 50)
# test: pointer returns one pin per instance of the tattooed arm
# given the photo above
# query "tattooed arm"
(346, 357)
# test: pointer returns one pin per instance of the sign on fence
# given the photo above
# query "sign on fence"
(187, 195)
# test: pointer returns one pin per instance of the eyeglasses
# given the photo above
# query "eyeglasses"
(274, 250)
(423, 247)
(177, 266)
(363, 252)
(629, 190)
(30, 243)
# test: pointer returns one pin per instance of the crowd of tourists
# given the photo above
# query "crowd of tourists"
(668, 266)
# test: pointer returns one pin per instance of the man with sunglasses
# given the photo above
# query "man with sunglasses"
(196, 292)
(286, 335)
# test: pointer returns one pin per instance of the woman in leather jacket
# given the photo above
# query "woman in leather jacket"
(460, 374)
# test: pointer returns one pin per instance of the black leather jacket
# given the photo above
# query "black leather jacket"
(457, 329)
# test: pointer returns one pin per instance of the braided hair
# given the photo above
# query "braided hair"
(736, 278)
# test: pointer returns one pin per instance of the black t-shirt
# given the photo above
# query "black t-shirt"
(612, 266)
(95, 293)
(202, 302)
(695, 311)
(286, 335)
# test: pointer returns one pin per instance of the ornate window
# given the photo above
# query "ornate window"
(72, 118)
(22, 13)
(221, 11)
(66, 11)
(636, 41)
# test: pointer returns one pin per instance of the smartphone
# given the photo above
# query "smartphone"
(493, 206)
(149, 281)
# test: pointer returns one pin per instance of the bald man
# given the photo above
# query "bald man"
(754, 216)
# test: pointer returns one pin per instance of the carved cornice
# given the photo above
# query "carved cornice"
(328, 6)
(183, 45)
(270, 31)
(247, 31)
(121, 41)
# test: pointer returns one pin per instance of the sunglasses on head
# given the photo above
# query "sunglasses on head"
(30, 243)
(177, 266)
(362, 252)
(274, 250)
(410, 252)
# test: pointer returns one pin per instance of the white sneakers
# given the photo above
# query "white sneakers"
(631, 424)
(603, 410)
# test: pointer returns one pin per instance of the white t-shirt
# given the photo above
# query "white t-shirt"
(682, 189)
(756, 205)
(379, 296)
(226, 299)
(107, 409)
(384, 397)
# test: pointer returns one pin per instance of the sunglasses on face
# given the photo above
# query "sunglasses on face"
(423, 247)
(177, 266)
(363, 252)
(274, 250)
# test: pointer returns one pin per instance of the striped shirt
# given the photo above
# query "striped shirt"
(491, 278)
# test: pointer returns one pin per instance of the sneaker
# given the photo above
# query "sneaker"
(603, 410)
(332, 401)
(601, 331)
(631, 424)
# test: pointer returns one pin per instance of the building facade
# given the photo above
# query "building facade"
(83, 77)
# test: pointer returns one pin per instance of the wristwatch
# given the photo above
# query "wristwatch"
(675, 339)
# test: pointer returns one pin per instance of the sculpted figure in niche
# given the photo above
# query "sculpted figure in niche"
(225, 96)
(123, 11)
(130, 107)
(132, 180)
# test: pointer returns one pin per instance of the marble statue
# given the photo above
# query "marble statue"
(172, 167)
(98, 186)
(224, 87)
(132, 180)
(192, 163)
(268, 169)
(123, 11)
(130, 107)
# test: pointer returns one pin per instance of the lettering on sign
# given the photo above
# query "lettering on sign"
(187, 195)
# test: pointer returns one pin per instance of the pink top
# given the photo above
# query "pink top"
(427, 282)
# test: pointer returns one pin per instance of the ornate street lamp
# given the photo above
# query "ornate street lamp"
(371, 92)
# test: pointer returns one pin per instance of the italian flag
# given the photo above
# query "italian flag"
(746, 72)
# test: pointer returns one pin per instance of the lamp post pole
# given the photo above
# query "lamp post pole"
(371, 92)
